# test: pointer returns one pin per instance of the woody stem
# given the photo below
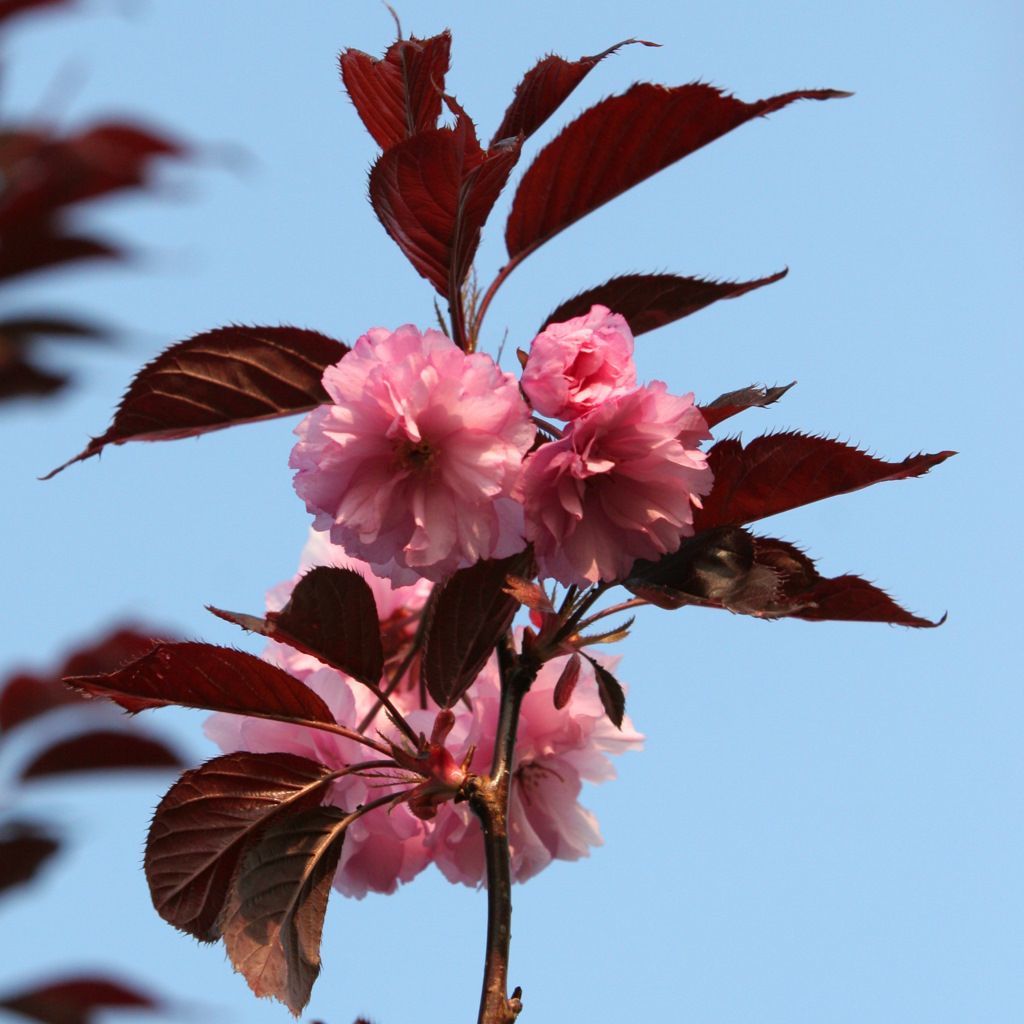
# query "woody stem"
(489, 799)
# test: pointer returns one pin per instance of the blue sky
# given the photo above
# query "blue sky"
(826, 824)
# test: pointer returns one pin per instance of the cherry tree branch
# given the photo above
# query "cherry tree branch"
(489, 799)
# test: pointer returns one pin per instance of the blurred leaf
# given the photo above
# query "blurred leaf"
(333, 616)
(398, 95)
(210, 678)
(736, 401)
(219, 379)
(25, 696)
(618, 143)
(101, 750)
(649, 301)
(204, 822)
(75, 1000)
(8, 8)
(23, 252)
(778, 472)
(545, 87)
(468, 615)
(273, 919)
(24, 848)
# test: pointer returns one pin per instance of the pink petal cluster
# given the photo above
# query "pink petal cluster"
(412, 466)
(575, 366)
(556, 751)
(620, 484)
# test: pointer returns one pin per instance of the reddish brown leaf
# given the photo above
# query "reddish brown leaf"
(760, 576)
(331, 615)
(778, 472)
(20, 378)
(609, 689)
(736, 401)
(274, 915)
(618, 143)
(203, 823)
(468, 615)
(648, 301)
(433, 193)
(210, 678)
(77, 1000)
(545, 87)
(26, 696)
(24, 848)
(218, 379)
(101, 750)
(398, 95)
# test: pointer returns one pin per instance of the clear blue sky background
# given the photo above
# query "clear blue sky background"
(826, 825)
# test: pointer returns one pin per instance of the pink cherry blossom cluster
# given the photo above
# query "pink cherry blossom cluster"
(556, 751)
(429, 459)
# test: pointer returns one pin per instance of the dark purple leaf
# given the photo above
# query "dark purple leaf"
(331, 615)
(211, 678)
(778, 472)
(77, 1000)
(24, 848)
(8, 8)
(203, 823)
(649, 301)
(468, 615)
(609, 689)
(433, 193)
(399, 95)
(26, 251)
(736, 401)
(274, 915)
(545, 87)
(101, 750)
(218, 379)
(768, 578)
(618, 143)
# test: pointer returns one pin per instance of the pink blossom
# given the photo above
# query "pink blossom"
(575, 366)
(412, 466)
(619, 485)
(556, 751)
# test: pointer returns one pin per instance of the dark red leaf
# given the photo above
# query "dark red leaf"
(26, 251)
(218, 379)
(210, 678)
(398, 95)
(618, 143)
(274, 915)
(24, 848)
(331, 615)
(545, 87)
(433, 193)
(203, 823)
(768, 578)
(468, 615)
(648, 301)
(28, 328)
(609, 689)
(77, 1000)
(736, 401)
(101, 750)
(27, 696)
(778, 472)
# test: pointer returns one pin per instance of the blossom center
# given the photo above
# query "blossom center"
(417, 456)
